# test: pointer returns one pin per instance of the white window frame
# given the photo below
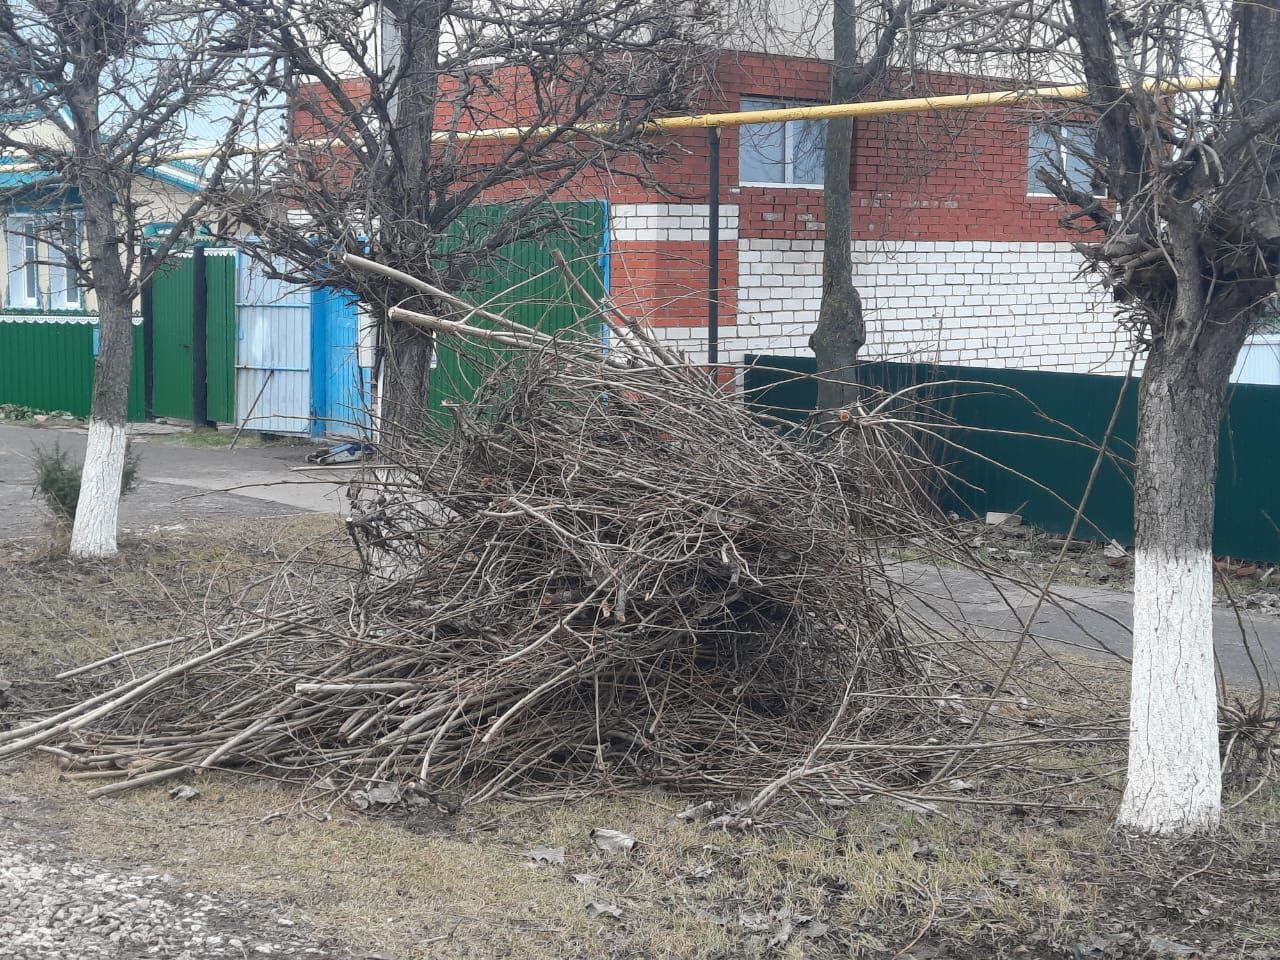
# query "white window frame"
(19, 232)
(1064, 151)
(788, 143)
(27, 286)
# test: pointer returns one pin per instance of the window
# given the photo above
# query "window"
(27, 248)
(22, 251)
(773, 154)
(65, 293)
(1060, 149)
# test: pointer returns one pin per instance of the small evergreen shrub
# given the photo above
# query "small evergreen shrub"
(58, 480)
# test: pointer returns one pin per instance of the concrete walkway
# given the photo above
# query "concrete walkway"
(1088, 619)
(180, 482)
(177, 482)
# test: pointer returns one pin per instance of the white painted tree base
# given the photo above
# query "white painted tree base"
(1174, 786)
(93, 536)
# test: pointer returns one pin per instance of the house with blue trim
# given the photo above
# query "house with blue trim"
(41, 223)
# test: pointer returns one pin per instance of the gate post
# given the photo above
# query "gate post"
(148, 340)
(199, 339)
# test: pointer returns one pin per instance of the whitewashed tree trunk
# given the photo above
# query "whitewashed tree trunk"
(94, 534)
(1174, 785)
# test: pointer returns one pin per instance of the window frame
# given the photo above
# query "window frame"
(1034, 187)
(55, 288)
(20, 235)
(751, 103)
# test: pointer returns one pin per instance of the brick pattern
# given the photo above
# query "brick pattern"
(955, 261)
(658, 263)
(661, 222)
(980, 303)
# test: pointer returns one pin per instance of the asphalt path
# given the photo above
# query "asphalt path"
(180, 483)
(1089, 620)
(177, 483)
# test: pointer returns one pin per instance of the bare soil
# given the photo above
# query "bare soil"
(969, 880)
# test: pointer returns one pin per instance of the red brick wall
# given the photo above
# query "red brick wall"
(667, 282)
(943, 176)
(949, 177)
(953, 176)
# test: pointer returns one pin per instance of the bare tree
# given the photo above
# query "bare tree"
(1182, 223)
(102, 88)
(1191, 249)
(379, 101)
(856, 66)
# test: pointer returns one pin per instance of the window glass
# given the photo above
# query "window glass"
(22, 281)
(65, 291)
(1058, 151)
(1077, 143)
(762, 157)
(31, 264)
(780, 153)
(808, 150)
(1041, 150)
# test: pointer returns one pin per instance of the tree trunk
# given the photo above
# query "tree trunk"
(406, 380)
(1174, 781)
(406, 375)
(93, 534)
(841, 331)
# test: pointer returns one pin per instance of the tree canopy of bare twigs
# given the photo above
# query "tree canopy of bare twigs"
(94, 92)
(376, 97)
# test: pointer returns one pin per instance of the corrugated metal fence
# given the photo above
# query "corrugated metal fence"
(274, 362)
(173, 293)
(1025, 441)
(523, 283)
(296, 354)
(47, 364)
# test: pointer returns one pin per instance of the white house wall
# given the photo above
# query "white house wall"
(977, 303)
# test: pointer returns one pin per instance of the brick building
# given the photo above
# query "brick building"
(958, 252)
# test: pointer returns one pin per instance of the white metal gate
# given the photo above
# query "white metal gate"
(273, 352)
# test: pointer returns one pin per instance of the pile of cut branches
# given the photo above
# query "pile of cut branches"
(601, 573)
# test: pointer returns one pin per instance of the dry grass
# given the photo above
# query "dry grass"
(873, 875)
(966, 881)
(57, 613)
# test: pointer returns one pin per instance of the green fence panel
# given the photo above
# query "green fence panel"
(220, 279)
(173, 307)
(524, 284)
(172, 303)
(49, 366)
(1247, 521)
(1026, 441)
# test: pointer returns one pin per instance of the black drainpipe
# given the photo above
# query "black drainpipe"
(713, 252)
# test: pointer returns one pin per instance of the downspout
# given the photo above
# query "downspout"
(713, 252)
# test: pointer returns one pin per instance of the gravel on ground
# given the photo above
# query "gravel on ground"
(56, 907)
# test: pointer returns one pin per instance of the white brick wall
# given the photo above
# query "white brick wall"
(661, 222)
(968, 302)
(980, 303)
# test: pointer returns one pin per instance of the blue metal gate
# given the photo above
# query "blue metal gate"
(340, 393)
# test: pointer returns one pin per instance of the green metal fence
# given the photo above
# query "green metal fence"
(173, 304)
(524, 284)
(1025, 441)
(49, 365)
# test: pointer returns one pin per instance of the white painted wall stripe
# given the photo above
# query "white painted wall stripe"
(979, 303)
(669, 222)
